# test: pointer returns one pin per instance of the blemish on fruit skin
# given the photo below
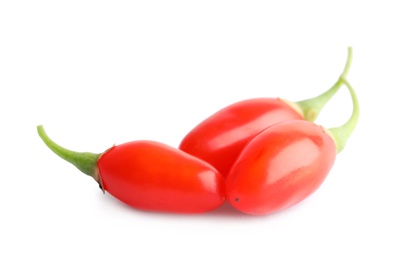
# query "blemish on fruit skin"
(236, 200)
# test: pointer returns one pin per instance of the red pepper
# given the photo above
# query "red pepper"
(220, 138)
(150, 176)
(285, 163)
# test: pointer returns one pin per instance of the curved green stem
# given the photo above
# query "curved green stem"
(342, 133)
(85, 162)
(311, 107)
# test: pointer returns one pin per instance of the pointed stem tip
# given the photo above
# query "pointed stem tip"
(84, 161)
(312, 107)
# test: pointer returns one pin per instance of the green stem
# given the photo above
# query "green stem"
(312, 107)
(85, 162)
(342, 133)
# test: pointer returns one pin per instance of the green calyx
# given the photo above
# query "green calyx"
(84, 161)
(311, 107)
(342, 133)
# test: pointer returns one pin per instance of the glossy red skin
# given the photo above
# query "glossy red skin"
(220, 138)
(152, 176)
(280, 167)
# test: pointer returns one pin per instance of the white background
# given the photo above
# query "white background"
(95, 73)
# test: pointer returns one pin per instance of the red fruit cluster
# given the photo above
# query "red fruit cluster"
(262, 155)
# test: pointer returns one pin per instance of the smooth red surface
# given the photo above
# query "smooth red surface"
(280, 167)
(153, 176)
(220, 138)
